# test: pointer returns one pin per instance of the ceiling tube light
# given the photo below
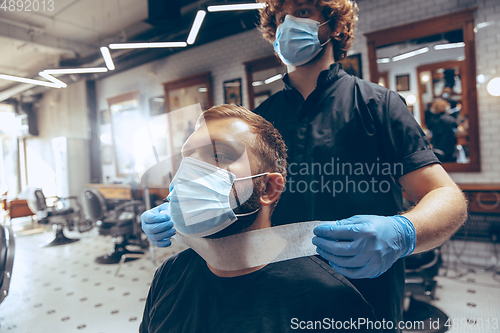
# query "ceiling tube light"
(76, 70)
(146, 45)
(53, 79)
(411, 54)
(30, 81)
(273, 78)
(107, 58)
(383, 60)
(449, 46)
(257, 83)
(198, 21)
(167, 44)
(242, 6)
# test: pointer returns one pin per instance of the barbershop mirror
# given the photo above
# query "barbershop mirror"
(432, 65)
(181, 94)
(263, 79)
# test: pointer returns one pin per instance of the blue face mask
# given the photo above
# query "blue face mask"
(297, 40)
(199, 198)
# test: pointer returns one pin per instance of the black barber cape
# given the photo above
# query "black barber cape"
(186, 296)
(348, 143)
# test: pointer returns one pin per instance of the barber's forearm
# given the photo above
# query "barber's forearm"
(437, 216)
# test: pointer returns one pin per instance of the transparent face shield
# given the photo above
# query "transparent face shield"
(205, 170)
(206, 173)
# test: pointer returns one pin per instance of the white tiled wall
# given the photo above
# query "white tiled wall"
(224, 60)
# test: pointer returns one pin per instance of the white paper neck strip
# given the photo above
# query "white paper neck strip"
(255, 248)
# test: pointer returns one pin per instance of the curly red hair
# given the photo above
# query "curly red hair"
(343, 15)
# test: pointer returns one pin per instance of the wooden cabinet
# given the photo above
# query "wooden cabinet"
(483, 198)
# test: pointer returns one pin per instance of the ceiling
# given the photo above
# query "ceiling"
(69, 33)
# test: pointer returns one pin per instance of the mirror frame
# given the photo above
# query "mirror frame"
(203, 78)
(463, 20)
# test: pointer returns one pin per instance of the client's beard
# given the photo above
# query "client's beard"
(252, 204)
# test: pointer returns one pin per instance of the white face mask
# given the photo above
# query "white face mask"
(199, 198)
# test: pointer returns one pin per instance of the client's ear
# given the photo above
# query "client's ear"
(274, 187)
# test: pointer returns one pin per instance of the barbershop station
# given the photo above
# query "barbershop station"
(253, 166)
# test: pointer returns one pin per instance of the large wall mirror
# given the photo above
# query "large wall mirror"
(432, 64)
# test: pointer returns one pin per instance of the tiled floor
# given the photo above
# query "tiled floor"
(61, 289)
(469, 286)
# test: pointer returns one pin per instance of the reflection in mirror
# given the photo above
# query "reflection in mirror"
(125, 116)
(191, 91)
(182, 97)
(429, 68)
(432, 64)
(445, 118)
(263, 79)
(267, 82)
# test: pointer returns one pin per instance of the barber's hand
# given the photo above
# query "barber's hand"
(158, 226)
(365, 246)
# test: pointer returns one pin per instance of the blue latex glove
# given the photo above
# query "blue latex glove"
(365, 246)
(158, 226)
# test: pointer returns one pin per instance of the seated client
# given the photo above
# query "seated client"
(189, 295)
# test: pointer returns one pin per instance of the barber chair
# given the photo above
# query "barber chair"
(7, 246)
(59, 215)
(121, 222)
(420, 286)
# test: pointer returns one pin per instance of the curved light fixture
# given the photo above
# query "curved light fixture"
(198, 21)
(241, 6)
(122, 46)
(53, 79)
(107, 58)
(76, 70)
(29, 81)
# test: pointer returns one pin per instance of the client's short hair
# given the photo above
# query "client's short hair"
(269, 146)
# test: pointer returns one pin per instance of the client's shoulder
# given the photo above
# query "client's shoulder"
(320, 288)
(181, 259)
(318, 274)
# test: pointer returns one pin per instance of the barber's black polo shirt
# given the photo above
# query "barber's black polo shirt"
(348, 143)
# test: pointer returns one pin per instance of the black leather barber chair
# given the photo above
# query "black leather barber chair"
(121, 222)
(59, 215)
(420, 286)
(7, 246)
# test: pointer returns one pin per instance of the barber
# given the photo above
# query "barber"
(343, 134)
